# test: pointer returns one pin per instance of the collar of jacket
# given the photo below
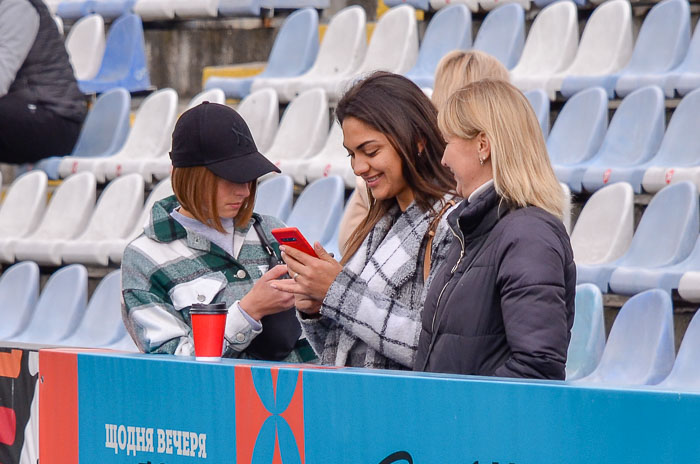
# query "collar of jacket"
(473, 219)
(163, 228)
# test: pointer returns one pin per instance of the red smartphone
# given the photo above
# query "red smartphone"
(290, 236)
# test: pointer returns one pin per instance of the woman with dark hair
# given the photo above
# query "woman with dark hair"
(205, 245)
(366, 310)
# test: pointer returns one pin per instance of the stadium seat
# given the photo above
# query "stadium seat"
(239, 7)
(293, 53)
(21, 211)
(295, 4)
(60, 308)
(149, 137)
(677, 159)
(342, 51)
(540, 104)
(633, 137)
(102, 325)
(502, 34)
(318, 209)
(154, 10)
(67, 214)
(604, 229)
(124, 61)
(689, 286)
(157, 166)
(661, 45)
(491, 4)
(274, 197)
(450, 29)
(332, 160)
(393, 47)
(303, 128)
(260, 110)
(473, 5)
(631, 280)
(588, 333)
(566, 210)
(110, 9)
(640, 347)
(116, 246)
(550, 46)
(417, 4)
(126, 343)
(103, 134)
(73, 9)
(196, 8)
(605, 48)
(665, 235)
(577, 134)
(19, 291)
(686, 77)
(685, 375)
(85, 45)
(114, 218)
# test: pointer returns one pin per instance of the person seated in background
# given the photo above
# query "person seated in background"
(503, 302)
(365, 310)
(41, 107)
(205, 245)
(455, 70)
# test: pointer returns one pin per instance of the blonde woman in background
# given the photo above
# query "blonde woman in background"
(502, 304)
(455, 70)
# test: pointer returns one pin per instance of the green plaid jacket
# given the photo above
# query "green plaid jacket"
(168, 268)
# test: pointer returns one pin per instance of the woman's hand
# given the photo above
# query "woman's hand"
(312, 276)
(264, 298)
(307, 305)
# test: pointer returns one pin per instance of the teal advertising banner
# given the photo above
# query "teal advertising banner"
(166, 410)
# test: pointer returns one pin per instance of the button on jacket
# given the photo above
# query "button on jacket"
(502, 304)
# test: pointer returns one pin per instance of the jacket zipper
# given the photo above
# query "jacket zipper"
(454, 268)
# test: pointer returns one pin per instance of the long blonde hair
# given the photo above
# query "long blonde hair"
(459, 68)
(522, 172)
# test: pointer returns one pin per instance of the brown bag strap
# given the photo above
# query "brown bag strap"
(431, 235)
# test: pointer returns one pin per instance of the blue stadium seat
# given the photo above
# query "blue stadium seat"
(274, 197)
(60, 307)
(124, 61)
(665, 235)
(450, 29)
(104, 131)
(74, 9)
(634, 136)
(631, 280)
(588, 333)
(293, 53)
(19, 291)
(239, 7)
(677, 159)
(640, 347)
(685, 375)
(686, 77)
(502, 34)
(540, 104)
(102, 324)
(577, 134)
(110, 9)
(318, 209)
(661, 45)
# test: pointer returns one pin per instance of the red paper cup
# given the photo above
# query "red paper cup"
(208, 326)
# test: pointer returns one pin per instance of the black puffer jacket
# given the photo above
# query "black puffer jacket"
(503, 302)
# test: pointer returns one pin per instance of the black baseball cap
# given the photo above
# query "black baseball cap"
(217, 137)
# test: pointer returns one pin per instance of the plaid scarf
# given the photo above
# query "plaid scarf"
(371, 316)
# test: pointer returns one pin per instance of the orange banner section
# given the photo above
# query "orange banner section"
(58, 414)
(10, 364)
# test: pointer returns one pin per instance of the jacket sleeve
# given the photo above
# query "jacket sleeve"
(156, 325)
(19, 26)
(531, 281)
(388, 326)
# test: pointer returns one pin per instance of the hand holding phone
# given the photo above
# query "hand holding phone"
(291, 237)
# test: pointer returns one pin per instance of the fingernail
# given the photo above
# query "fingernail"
(282, 248)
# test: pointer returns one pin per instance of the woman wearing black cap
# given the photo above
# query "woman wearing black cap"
(205, 245)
